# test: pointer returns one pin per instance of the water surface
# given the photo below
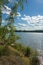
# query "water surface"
(34, 40)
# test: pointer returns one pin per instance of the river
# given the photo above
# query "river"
(34, 40)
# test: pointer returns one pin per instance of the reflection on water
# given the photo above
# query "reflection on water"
(34, 40)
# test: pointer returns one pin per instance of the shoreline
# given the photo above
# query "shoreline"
(40, 56)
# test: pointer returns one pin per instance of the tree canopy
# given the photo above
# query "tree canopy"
(7, 35)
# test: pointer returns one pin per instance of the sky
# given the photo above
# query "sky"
(31, 18)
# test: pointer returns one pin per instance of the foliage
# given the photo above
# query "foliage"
(7, 35)
(34, 60)
(4, 50)
(28, 54)
(18, 46)
(27, 51)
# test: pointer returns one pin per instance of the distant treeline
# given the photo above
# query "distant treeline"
(39, 31)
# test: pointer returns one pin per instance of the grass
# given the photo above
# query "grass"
(28, 55)
(16, 55)
(13, 58)
(24, 58)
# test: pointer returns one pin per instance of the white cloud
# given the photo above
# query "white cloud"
(3, 21)
(34, 22)
(18, 14)
(6, 10)
(38, 27)
(9, 9)
(33, 19)
(22, 24)
(10, 0)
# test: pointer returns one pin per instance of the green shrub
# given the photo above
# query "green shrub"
(34, 60)
(27, 51)
(17, 46)
(3, 50)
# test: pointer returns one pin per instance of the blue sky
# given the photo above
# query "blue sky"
(31, 18)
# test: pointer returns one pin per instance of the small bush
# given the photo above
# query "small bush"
(3, 50)
(34, 60)
(17, 46)
(27, 51)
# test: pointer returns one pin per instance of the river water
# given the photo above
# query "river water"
(34, 40)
